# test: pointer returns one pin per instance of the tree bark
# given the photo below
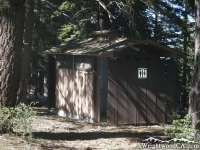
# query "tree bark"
(185, 60)
(26, 51)
(36, 53)
(194, 101)
(11, 43)
(41, 83)
(103, 19)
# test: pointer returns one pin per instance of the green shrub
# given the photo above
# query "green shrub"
(17, 120)
(181, 128)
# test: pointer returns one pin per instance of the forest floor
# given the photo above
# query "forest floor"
(54, 132)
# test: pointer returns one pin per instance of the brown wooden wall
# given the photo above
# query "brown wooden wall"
(140, 101)
(75, 91)
(51, 81)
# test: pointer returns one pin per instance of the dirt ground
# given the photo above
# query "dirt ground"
(53, 133)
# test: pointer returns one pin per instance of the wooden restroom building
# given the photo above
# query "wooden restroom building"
(114, 79)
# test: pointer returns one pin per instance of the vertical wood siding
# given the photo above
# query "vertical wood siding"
(132, 92)
(151, 91)
(160, 95)
(139, 101)
(75, 92)
(142, 95)
(122, 93)
(112, 92)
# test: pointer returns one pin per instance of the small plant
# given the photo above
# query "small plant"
(17, 120)
(181, 128)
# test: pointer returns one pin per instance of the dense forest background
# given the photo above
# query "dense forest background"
(50, 22)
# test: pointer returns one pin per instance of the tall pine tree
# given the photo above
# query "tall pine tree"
(12, 19)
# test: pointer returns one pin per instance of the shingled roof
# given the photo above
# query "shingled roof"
(91, 46)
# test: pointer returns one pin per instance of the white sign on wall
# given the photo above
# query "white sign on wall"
(142, 73)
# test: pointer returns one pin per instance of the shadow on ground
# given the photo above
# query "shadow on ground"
(72, 136)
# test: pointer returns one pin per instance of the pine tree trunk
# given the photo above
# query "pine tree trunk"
(41, 83)
(194, 101)
(36, 65)
(11, 43)
(25, 63)
(103, 20)
(185, 61)
(36, 45)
